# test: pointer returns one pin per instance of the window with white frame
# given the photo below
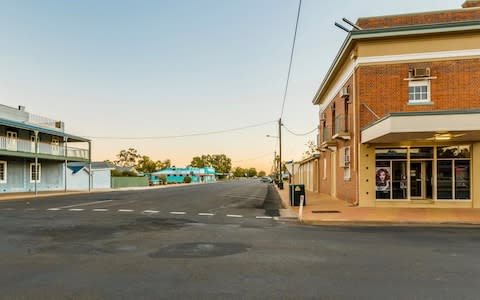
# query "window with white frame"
(419, 91)
(346, 163)
(55, 146)
(35, 173)
(3, 172)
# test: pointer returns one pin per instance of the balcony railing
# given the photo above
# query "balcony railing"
(340, 129)
(326, 135)
(27, 146)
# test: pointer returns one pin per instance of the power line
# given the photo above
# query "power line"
(291, 58)
(179, 136)
(253, 158)
(300, 134)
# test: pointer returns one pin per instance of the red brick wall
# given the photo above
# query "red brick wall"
(420, 19)
(384, 90)
(345, 190)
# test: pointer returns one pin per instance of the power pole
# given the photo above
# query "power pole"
(280, 154)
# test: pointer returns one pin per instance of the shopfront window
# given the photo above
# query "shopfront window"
(391, 173)
(441, 173)
(453, 172)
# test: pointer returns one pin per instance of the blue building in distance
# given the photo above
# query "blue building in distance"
(177, 175)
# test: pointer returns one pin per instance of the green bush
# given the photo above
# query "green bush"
(187, 179)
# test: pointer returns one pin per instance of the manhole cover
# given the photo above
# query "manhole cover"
(325, 211)
(199, 250)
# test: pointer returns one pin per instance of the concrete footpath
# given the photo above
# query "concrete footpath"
(321, 209)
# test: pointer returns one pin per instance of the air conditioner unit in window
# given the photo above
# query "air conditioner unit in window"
(421, 72)
(344, 92)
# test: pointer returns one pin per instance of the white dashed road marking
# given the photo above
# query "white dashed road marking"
(76, 209)
(126, 210)
(206, 214)
(85, 203)
(100, 209)
(151, 211)
(8, 208)
(263, 217)
(235, 216)
(178, 212)
(54, 208)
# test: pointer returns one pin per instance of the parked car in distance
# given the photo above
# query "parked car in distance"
(266, 179)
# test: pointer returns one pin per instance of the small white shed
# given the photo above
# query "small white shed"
(77, 175)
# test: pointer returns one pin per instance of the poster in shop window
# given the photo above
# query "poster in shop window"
(382, 179)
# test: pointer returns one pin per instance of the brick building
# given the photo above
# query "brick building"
(400, 112)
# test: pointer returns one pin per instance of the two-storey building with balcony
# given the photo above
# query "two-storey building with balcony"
(400, 112)
(34, 151)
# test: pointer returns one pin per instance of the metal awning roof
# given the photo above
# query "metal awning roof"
(433, 126)
(31, 127)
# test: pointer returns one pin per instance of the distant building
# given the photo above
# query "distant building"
(34, 152)
(177, 175)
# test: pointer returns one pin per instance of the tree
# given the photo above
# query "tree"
(312, 149)
(146, 165)
(163, 164)
(127, 158)
(252, 172)
(201, 161)
(220, 162)
(262, 173)
(239, 172)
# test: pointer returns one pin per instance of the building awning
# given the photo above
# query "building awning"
(435, 126)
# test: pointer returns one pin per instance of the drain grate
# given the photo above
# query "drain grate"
(325, 211)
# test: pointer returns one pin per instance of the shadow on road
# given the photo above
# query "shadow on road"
(272, 202)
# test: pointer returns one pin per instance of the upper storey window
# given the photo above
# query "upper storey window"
(419, 91)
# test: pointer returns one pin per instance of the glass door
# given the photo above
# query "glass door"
(421, 179)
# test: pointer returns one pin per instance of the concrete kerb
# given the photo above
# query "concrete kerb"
(358, 223)
(44, 194)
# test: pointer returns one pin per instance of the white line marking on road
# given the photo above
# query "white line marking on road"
(30, 208)
(54, 208)
(178, 212)
(263, 217)
(206, 214)
(100, 209)
(85, 203)
(151, 211)
(8, 208)
(276, 218)
(126, 210)
(76, 209)
(235, 216)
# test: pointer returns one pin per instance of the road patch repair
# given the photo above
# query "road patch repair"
(200, 250)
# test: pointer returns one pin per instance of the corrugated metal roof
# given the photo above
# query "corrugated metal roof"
(26, 126)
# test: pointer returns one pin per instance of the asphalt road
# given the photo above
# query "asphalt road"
(219, 241)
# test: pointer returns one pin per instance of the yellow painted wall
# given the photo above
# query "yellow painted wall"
(366, 178)
(398, 46)
(475, 175)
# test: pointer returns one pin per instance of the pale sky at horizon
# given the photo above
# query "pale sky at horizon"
(162, 68)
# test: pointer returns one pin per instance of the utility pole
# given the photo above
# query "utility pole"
(280, 154)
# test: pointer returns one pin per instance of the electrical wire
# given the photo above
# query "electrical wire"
(291, 58)
(180, 136)
(300, 134)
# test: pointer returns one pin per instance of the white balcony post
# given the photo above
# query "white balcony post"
(89, 166)
(65, 141)
(36, 162)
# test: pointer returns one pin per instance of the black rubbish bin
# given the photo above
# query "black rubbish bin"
(295, 191)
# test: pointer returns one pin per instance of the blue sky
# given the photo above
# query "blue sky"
(157, 68)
